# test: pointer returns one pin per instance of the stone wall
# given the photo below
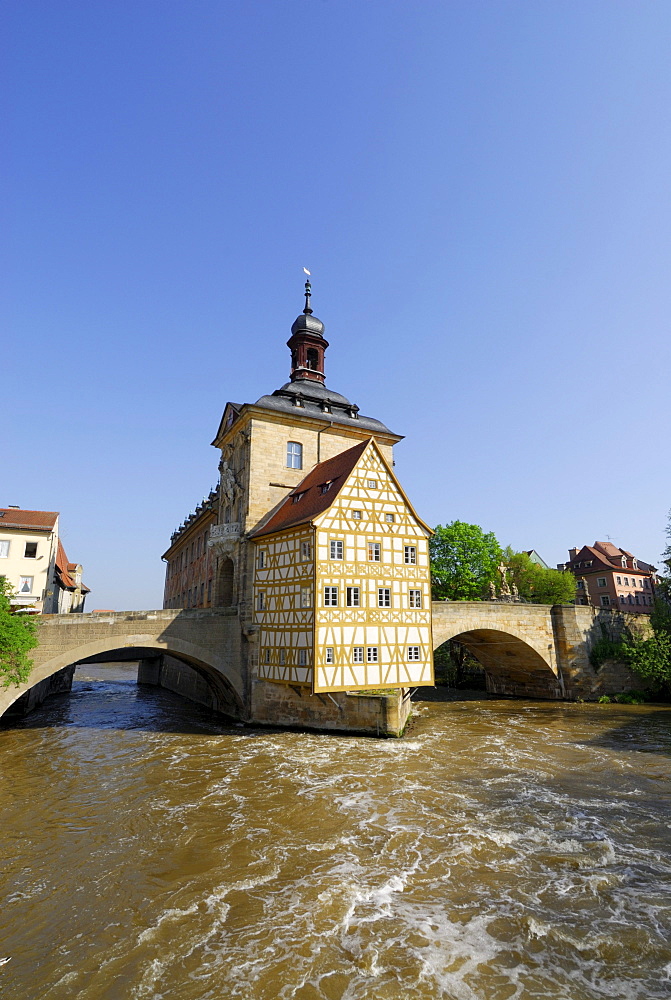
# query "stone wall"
(58, 683)
(292, 705)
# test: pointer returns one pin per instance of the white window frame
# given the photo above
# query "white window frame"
(261, 561)
(357, 515)
(328, 654)
(371, 484)
(336, 548)
(30, 580)
(414, 598)
(605, 601)
(25, 551)
(302, 657)
(357, 654)
(330, 597)
(353, 597)
(305, 597)
(372, 654)
(261, 600)
(294, 455)
(384, 597)
(374, 552)
(5, 546)
(389, 518)
(306, 551)
(410, 555)
(601, 581)
(414, 653)
(267, 655)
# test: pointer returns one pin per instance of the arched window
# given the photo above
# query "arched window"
(294, 455)
(312, 359)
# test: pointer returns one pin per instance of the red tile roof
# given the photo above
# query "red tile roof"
(63, 567)
(310, 500)
(38, 520)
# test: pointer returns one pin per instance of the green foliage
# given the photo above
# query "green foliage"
(18, 635)
(537, 584)
(606, 648)
(604, 699)
(626, 698)
(464, 561)
(650, 657)
(455, 667)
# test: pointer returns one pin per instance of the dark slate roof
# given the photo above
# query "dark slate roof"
(309, 499)
(314, 397)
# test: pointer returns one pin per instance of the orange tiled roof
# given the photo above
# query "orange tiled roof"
(63, 567)
(38, 520)
(311, 501)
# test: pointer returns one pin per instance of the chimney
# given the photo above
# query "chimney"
(572, 553)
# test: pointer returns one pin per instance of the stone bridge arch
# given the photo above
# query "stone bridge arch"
(515, 644)
(206, 640)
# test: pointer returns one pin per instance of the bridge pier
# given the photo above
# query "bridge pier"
(58, 683)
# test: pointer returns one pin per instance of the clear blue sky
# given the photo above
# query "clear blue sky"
(482, 191)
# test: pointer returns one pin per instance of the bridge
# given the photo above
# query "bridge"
(526, 650)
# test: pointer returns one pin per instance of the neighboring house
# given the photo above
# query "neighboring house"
(33, 560)
(343, 531)
(535, 558)
(609, 577)
(190, 570)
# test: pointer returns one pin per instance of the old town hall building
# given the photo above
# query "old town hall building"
(310, 537)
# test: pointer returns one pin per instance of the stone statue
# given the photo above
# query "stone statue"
(516, 593)
(492, 591)
(228, 481)
(505, 589)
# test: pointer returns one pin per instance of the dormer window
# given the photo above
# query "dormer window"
(297, 496)
(326, 406)
(634, 564)
(624, 562)
(325, 487)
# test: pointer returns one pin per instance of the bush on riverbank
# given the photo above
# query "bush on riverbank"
(18, 635)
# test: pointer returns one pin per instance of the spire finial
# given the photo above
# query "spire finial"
(308, 293)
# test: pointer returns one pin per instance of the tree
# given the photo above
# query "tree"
(18, 635)
(664, 587)
(536, 583)
(464, 561)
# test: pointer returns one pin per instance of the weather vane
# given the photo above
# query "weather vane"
(308, 291)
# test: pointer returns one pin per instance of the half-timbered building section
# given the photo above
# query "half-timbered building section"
(369, 624)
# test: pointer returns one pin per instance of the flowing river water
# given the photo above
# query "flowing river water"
(501, 849)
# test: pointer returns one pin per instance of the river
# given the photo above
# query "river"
(501, 849)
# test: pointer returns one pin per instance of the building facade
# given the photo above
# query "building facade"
(190, 564)
(269, 548)
(610, 577)
(34, 562)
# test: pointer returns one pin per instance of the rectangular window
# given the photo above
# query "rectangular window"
(415, 598)
(261, 601)
(619, 580)
(306, 551)
(371, 654)
(4, 550)
(357, 654)
(605, 601)
(371, 484)
(283, 655)
(413, 652)
(389, 518)
(638, 600)
(601, 581)
(410, 554)
(581, 584)
(646, 584)
(353, 597)
(26, 585)
(374, 552)
(337, 551)
(294, 455)
(267, 655)
(383, 597)
(31, 550)
(302, 657)
(328, 654)
(305, 597)
(262, 559)
(330, 597)
(356, 514)
(626, 581)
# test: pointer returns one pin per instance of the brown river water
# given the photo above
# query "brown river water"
(501, 849)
